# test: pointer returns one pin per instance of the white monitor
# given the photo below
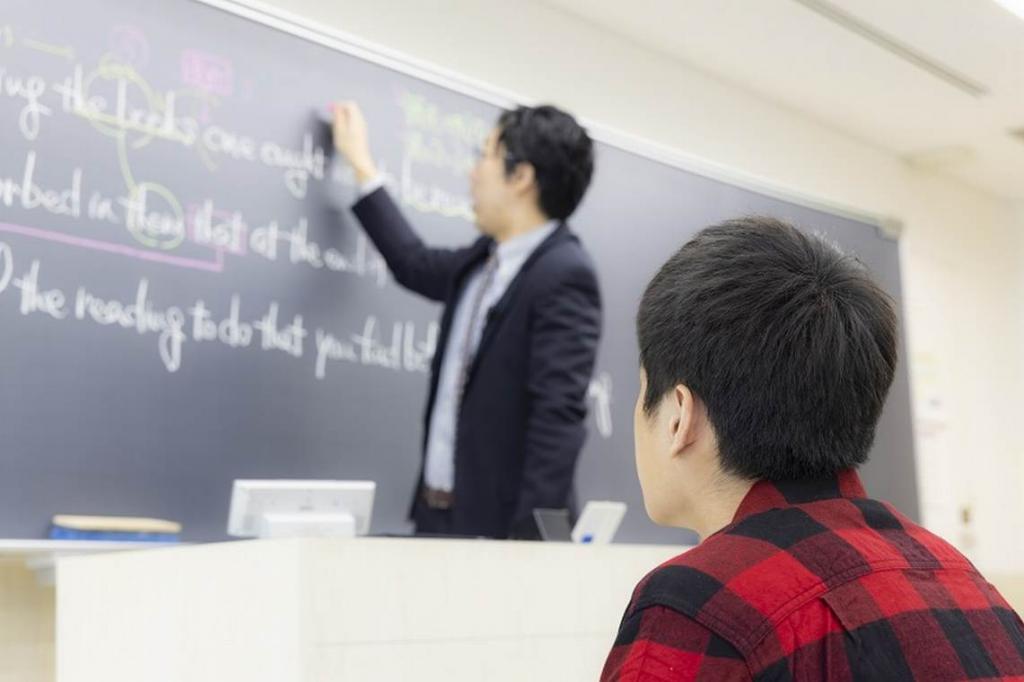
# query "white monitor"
(598, 522)
(286, 508)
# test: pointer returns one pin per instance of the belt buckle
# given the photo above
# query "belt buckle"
(437, 499)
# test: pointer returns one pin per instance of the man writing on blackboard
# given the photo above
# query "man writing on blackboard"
(504, 422)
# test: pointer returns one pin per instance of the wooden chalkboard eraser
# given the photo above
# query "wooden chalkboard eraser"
(121, 524)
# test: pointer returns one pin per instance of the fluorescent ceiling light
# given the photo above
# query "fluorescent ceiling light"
(1015, 6)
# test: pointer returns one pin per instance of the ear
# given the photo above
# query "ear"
(686, 420)
(523, 177)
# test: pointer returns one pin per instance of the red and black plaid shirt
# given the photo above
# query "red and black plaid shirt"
(813, 581)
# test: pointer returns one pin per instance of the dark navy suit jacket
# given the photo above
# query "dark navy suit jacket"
(521, 423)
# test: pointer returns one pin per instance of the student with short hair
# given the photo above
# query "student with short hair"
(766, 356)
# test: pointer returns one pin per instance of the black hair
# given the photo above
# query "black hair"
(788, 342)
(558, 148)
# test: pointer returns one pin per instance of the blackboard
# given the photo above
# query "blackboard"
(185, 298)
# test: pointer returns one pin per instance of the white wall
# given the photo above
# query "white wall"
(962, 250)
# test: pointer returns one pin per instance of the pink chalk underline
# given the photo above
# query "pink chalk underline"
(119, 249)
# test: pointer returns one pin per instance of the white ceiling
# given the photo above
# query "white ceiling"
(814, 56)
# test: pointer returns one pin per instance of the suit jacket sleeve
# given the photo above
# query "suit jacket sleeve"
(657, 644)
(427, 271)
(566, 328)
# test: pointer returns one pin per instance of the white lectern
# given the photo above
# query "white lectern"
(359, 609)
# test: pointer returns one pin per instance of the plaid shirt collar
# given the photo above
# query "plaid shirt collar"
(765, 495)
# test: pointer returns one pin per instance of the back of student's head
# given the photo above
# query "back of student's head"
(558, 148)
(789, 344)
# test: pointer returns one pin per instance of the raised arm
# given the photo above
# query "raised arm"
(427, 271)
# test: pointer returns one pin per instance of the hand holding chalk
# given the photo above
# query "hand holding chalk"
(351, 138)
